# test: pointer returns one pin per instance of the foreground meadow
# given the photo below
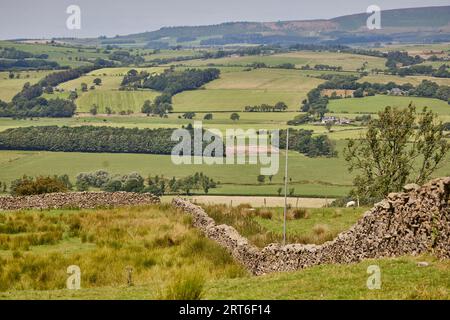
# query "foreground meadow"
(152, 252)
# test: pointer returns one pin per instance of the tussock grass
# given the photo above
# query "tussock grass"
(186, 287)
(157, 242)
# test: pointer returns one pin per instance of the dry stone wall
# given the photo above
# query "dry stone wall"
(407, 223)
(82, 200)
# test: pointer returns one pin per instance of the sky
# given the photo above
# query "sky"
(47, 18)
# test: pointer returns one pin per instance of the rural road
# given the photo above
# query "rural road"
(259, 201)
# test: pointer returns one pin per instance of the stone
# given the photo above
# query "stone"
(381, 232)
(423, 264)
(411, 187)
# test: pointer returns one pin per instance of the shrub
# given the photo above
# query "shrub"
(264, 213)
(300, 213)
(320, 229)
(39, 185)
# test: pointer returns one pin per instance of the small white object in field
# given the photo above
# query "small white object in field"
(350, 204)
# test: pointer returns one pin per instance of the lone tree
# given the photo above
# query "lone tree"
(147, 108)
(97, 81)
(234, 116)
(400, 147)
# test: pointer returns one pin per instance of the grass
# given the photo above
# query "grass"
(235, 90)
(263, 226)
(108, 94)
(414, 80)
(170, 260)
(10, 87)
(315, 175)
(64, 55)
(157, 242)
(233, 99)
(401, 279)
(316, 226)
(349, 62)
(378, 103)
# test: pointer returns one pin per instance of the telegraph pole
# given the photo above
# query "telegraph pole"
(285, 187)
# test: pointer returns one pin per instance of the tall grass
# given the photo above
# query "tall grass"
(186, 287)
(36, 247)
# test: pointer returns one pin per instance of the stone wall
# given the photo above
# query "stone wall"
(408, 223)
(82, 200)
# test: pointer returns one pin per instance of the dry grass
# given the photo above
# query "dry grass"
(156, 241)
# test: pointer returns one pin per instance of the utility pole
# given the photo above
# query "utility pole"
(285, 186)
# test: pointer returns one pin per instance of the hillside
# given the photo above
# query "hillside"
(426, 24)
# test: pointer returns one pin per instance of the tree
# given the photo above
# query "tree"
(280, 106)
(261, 178)
(398, 148)
(97, 81)
(189, 115)
(84, 87)
(94, 109)
(279, 190)
(208, 116)
(358, 93)
(329, 125)
(108, 110)
(73, 95)
(147, 108)
(234, 116)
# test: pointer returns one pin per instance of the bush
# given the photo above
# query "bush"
(264, 213)
(300, 213)
(39, 185)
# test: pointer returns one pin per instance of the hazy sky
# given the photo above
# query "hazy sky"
(47, 18)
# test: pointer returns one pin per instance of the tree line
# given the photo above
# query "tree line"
(304, 142)
(88, 139)
(278, 107)
(134, 182)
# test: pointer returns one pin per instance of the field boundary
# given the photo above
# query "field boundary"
(408, 223)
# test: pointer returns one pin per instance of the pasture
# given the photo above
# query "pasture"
(10, 87)
(173, 261)
(414, 80)
(379, 102)
(64, 55)
(348, 62)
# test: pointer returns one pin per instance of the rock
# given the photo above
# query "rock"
(81, 200)
(411, 187)
(423, 264)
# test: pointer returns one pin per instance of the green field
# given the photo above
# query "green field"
(310, 176)
(10, 87)
(108, 94)
(349, 62)
(379, 102)
(64, 55)
(414, 80)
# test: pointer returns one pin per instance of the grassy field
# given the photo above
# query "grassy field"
(235, 90)
(156, 241)
(64, 55)
(349, 62)
(171, 260)
(10, 87)
(108, 94)
(233, 99)
(377, 103)
(310, 176)
(414, 80)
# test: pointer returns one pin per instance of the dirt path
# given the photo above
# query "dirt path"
(262, 201)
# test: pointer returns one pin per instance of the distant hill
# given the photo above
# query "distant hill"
(426, 24)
